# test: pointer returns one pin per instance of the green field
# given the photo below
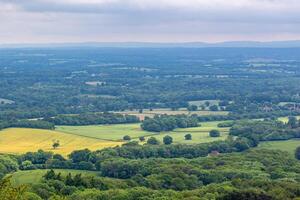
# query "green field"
(287, 145)
(105, 132)
(116, 132)
(35, 176)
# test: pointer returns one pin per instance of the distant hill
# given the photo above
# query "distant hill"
(229, 44)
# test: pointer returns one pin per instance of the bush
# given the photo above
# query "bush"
(168, 140)
(214, 133)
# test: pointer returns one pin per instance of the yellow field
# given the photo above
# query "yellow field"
(22, 140)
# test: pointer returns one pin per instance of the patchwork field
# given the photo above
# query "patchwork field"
(21, 140)
(35, 176)
(287, 145)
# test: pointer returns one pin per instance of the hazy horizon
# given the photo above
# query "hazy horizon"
(164, 21)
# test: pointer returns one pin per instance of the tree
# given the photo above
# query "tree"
(188, 137)
(142, 138)
(206, 103)
(214, 133)
(55, 144)
(127, 138)
(80, 155)
(292, 122)
(297, 153)
(214, 108)
(192, 108)
(152, 141)
(168, 140)
(50, 175)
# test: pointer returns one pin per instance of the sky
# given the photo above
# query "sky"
(58, 21)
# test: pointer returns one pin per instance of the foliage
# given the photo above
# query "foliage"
(168, 123)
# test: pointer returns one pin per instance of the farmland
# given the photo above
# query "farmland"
(116, 132)
(287, 145)
(167, 111)
(22, 140)
(35, 176)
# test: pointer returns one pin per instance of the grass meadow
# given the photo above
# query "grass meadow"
(286, 145)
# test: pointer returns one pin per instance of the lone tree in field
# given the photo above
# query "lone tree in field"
(168, 140)
(214, 133)
(152, 141)
(188, 137)
(297, 153)
(55, 144)
(127, 138)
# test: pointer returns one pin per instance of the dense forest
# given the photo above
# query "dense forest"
(33, 83)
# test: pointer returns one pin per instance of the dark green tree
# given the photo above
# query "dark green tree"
(152, 141)
(214, 133)
(188, 136)
(168, 140)
(297, 153)
(127, 138)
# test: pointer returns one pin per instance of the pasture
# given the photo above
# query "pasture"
(35, 176)
(286, 145)
(116, 132)
(105, 132)
(22, 140)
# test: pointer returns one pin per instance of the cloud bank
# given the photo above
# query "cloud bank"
(148, 20)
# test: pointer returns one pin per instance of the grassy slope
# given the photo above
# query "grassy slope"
(35, 176)
(287, 145)
(21, 140)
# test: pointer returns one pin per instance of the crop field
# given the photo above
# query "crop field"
(21, 140)
(116, 132)
(35, 176)
(287, 145)
(151, 113)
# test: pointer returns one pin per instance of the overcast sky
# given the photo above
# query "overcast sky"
(44, 21)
